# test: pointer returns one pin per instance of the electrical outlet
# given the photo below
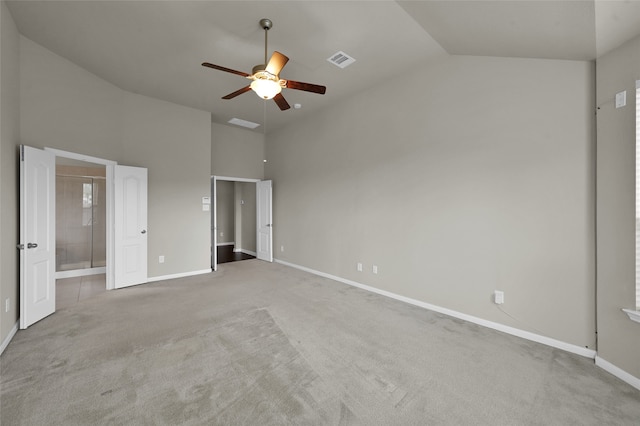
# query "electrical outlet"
(498, 297)
(359, 267)
(160, 259)
(281, 248)
(7, 305)
(222, 234)
(375, 269)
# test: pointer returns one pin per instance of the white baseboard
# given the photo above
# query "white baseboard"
(579, 350)
(618, 372)
(7, 339)
(241, 250)
(80, 272)
(230, 243)
(180, 275)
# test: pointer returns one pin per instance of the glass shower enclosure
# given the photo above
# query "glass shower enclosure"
(80, 218)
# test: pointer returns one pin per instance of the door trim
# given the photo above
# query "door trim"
(109, 166)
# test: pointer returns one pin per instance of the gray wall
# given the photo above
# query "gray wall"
(239, 153)
(9, 139)
(236, 152)
(65, 107)
(174, 143)
(618, 341)
(467, 176)
(225, 209)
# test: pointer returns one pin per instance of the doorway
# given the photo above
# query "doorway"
(233, 225)
(102, 262)
(37, 228)
(81, 234)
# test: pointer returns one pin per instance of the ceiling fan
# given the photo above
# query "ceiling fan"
(266, 77)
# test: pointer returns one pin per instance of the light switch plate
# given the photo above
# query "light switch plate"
(621, 99)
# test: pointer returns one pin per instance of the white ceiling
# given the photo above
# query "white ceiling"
(155, 48)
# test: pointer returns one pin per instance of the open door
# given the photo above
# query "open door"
(214, 225)
(264, 244)
(130, 206)
(37, 235)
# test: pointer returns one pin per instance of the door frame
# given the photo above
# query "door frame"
(110, 212)
(214, 216)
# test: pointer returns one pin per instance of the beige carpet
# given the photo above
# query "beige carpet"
(262, 344)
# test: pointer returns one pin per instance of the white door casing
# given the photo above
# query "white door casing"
(37, 235)
(264, 227)
(130, 205)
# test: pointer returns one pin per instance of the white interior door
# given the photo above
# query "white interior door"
(37, 235)
(214, 225)
(264, 227)
(130, 205)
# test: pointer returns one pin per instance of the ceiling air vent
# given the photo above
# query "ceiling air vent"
(341, 59)
(243, 123)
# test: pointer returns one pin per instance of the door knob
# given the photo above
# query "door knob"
(144, 231)
(32, 245)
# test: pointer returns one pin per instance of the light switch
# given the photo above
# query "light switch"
(206, 200)
(621, 99)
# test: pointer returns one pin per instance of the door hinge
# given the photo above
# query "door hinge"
(20, 246)
(21, 152)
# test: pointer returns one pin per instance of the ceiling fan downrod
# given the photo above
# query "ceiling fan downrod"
(266, 25)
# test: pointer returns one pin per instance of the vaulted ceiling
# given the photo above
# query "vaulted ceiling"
(155, 48)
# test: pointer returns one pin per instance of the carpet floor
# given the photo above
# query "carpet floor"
(263, 344)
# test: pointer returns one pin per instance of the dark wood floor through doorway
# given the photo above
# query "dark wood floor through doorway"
(226, 254)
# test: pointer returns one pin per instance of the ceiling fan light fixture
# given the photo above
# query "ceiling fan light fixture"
(265, 78)
(265, 85)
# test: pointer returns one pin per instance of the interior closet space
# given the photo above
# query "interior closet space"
(80, 218)
(235, 220)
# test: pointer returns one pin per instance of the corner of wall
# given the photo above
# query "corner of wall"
(9, 140)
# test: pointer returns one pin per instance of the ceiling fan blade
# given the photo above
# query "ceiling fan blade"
(237, 92)
(276, 63)
(307, 87)
(281, 101)
(218, 67)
